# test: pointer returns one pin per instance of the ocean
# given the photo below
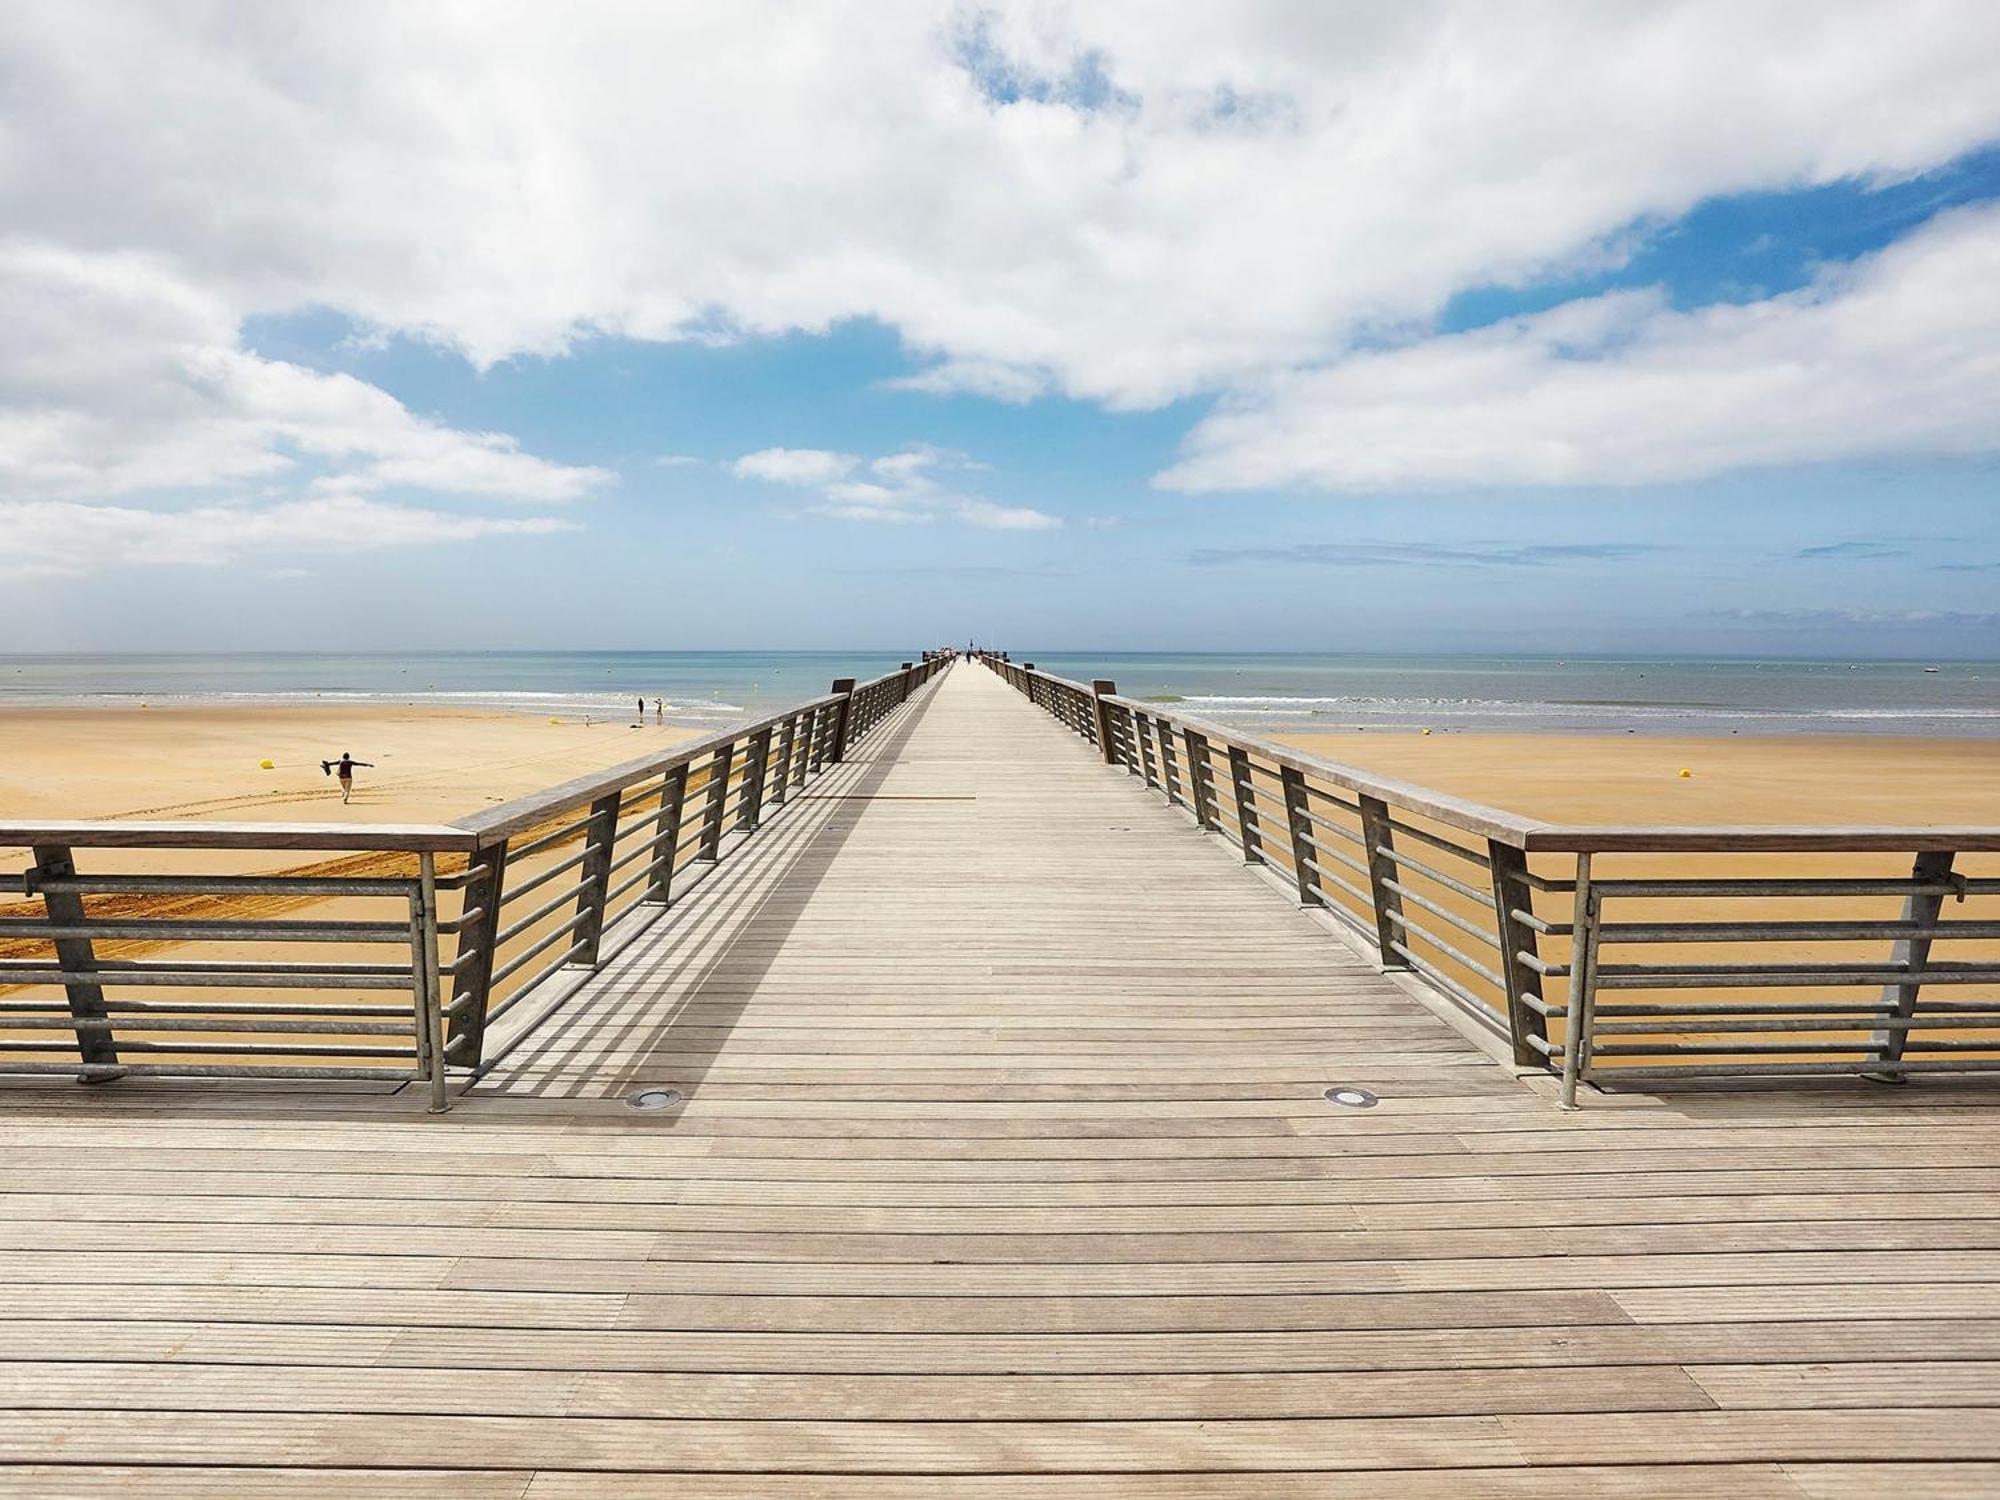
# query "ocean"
(1598, 695)
(700, 688)
(1265, 691)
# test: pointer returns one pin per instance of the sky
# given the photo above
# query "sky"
(1488, 327)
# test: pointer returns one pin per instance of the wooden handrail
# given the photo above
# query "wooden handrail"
(1752, 838)
(108, 833)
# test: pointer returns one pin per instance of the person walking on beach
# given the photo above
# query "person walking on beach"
(344, 769)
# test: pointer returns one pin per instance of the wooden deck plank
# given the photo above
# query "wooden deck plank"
(1003, 1161)
(498, 1348)
(1709, 1482)
(704, 1445)
(84, 1386)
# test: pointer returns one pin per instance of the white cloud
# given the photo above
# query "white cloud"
(998, 381)
(1894, 354)
(118, 376)
(1121, 201)
(904, 488)
(985, 513)
(794, 465)
(66, 537)
(121, 379)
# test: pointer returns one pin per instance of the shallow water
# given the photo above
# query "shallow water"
(1328, 693)
(699, 687)
(1680, 695)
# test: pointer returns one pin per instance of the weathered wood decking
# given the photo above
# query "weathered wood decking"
(1003, 1157)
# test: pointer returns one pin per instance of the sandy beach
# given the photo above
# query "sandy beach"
(1803, 779)
(203, 762)
(1797, 780)
(434, 764)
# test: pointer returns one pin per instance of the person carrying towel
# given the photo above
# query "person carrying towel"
(344, 769)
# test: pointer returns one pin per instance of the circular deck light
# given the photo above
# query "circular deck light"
(1350, 1097)
(655, 1099)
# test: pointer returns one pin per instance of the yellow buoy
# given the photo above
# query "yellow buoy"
(1685, 774)
(555, 721)
(265, 765)
(1426, 731)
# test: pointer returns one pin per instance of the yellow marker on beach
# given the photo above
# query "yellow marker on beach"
(1426, 731)
(1685, 773)
(265, 765)
(555, 721)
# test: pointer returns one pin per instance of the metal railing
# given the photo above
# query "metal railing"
(217, 956)
(1663, 951)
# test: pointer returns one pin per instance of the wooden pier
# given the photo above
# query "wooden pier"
(994, 1157)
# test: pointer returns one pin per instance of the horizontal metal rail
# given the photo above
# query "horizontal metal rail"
(1271, 804)
(535, 882)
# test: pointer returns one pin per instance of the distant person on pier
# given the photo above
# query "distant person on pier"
(344, 770)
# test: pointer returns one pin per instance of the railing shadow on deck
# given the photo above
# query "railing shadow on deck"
(1535, 932)
(116, 972)
(733, 903)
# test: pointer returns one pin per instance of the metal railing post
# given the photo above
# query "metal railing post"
(431, 1007)
(843, 714)
(750, 806)
(1099, 687)
(781, 785)
(667, 838)
(1294, 784)
(1028, 681)
(598, 835)
(97, 1046)
(1248, 833)
(802, 766)
(1921, 910)
(719, 765)
(1582, 982)
(1511, 894)
(472, 983)
(1379, 840)
(904, 680)
(1200, 779)
(1143, 738)
(1163, 734)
